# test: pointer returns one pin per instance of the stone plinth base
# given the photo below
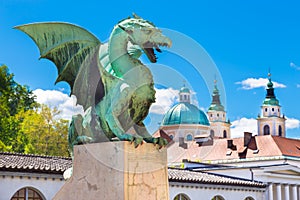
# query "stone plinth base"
(117, 171)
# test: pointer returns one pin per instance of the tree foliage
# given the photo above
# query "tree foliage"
(46, 133)
(26, 126)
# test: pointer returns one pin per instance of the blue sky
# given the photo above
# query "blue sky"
(243, 39)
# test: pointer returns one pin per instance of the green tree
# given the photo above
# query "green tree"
(45, 133)
(14, 98)
(26, 126)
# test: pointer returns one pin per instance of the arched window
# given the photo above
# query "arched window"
(266, 109)
(266, 130)
(189, 137)
(182, 197)
(218, 197)
(273, 109)
(224, 134)
(171, 136)
(27, 194)
(212, 133)
(249, 198)
(280, 130)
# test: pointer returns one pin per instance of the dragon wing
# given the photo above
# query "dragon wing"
(75, 52)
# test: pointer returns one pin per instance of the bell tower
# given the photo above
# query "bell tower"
(270, 121)
(220, 128)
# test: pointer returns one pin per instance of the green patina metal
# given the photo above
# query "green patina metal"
(216, 103)
(270, 99)
(109, 81)
(185, 113)
(184, 90)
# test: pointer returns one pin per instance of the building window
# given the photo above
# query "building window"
(211, 115)
(212, 133)
(273, 109)
(182, 197)
(280, 130)
(27, 194)
(266, 130)
(189, 137)
(218, 197)
(248, 198)
(171, 136)
(218, 115)
(224, 134)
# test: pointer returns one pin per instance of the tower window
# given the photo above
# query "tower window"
(211, 115)
(266, 109)
(273, 109)
(278, 109)
(212, 133)
(280, 130)
(218, 115)
(266, 130)
(189, 137)
(224, 134)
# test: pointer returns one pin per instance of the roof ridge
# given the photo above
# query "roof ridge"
(205, 177)
(33, 155)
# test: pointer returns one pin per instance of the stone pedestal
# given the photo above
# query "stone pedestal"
(117, 171)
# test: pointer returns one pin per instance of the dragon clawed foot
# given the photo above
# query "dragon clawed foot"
(161, 142)
(137, 140)
(83, 140)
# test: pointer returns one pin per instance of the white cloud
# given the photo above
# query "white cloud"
(165, 98)
(251, 83)
(64, 103)
(293, 65)
(242, 125)
(292, 123)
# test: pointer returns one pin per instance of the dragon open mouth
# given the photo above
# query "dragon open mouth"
(149, 47)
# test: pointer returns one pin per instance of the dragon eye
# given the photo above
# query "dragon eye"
(147, 31)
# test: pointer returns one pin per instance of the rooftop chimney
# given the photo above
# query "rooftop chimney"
(230, 144)
(182, 143)
(247, 138)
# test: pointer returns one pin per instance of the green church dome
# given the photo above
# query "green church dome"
(184, 90)
(185, 113)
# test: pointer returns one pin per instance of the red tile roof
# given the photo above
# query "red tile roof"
(288, 146)
(259, 146)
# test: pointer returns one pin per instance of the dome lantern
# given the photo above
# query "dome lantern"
(184, 95)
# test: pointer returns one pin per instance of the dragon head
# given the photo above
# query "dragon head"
(144, 34)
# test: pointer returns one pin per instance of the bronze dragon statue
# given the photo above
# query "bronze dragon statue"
(114, 87)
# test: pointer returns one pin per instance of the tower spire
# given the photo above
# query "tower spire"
(270, 96)
(216, 103)
(270, 122)
(220, 128)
